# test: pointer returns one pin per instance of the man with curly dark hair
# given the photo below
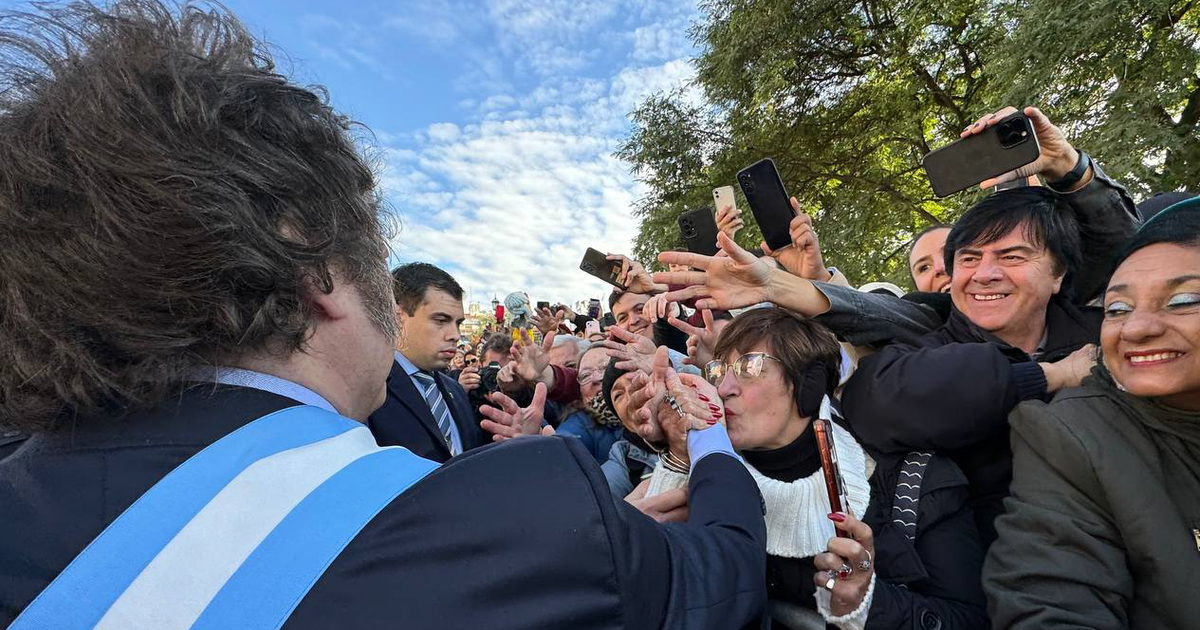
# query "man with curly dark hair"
(197, 318)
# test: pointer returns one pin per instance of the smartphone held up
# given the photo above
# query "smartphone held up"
(769, 202)
(1005, 146)
(597, 264)
(698, 230)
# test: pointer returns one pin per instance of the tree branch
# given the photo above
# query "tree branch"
(1191, 113)
(939, 96)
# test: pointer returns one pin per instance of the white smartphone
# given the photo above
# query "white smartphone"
(722, 197)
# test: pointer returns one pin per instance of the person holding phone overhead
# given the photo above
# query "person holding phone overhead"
(905, 558)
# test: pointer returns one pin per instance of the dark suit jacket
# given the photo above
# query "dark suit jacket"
(523, 534)
(405, 419)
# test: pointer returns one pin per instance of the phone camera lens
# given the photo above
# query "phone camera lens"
(1012, 133)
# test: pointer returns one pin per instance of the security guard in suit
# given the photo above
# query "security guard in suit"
(198, 323)
(426, 411)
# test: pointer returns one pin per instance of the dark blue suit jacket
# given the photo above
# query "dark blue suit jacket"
(519, 535)
(405, 419)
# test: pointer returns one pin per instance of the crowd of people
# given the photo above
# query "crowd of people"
(220, 409)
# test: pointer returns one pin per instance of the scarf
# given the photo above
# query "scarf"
(602, 414)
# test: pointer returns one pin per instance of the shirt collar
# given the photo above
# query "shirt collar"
(409, 367)
(266, 383)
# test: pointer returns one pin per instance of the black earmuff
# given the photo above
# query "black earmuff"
(814, 385)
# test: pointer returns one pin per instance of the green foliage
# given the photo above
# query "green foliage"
(847, 96)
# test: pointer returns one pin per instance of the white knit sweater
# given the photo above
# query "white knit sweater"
(797, 519)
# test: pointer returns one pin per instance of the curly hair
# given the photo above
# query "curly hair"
(168, 201)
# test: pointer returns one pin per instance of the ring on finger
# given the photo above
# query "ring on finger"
(844, 571)
(864, 565)
(829, 583)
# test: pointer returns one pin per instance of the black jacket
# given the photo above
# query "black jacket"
(951, 391)
(405, 419)
(518, 535)
(930, 582)
(934, 580)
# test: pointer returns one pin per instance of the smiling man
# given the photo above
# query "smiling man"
(426, 411)
(1012, 335)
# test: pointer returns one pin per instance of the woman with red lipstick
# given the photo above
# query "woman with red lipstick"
(1103, 525)
(898, 567)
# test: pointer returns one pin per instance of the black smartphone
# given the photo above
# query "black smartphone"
(768, 201)
(698, 229)
(835, 487)
(1005, 146)
(542, 305)
(597, 264)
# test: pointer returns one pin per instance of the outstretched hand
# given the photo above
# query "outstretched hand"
(667, 507)
(659, 307)
(736, 280)
(701, 340)
(547, 322)
(803, 256)
(697, 404)
(643, 400)
(529, 360)
(729, 220)
(507, 420)
(634, 352)
(634, 276)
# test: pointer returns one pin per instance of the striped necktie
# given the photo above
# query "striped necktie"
(437, 405)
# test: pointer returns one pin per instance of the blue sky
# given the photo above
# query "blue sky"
(494, 121)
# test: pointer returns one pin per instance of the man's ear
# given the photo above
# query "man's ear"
(1058, 282)
(334, 305)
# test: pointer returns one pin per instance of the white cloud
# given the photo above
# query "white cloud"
(661, 41)
(443, 132)
(511, 198)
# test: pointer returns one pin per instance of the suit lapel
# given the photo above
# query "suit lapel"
(402, 387)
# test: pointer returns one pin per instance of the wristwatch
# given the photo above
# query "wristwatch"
(1070, 179)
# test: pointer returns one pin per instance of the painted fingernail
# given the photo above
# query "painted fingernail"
(703, 397)
(713, 407)
(712, 421)
(837, 517)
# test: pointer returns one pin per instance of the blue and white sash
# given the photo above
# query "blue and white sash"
(236, 535)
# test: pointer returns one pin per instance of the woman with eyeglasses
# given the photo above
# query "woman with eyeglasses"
(907, 554)
(592, 420)
(1102, 528)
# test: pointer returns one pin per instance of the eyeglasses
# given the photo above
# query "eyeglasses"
(590, 376)
(749, 365)
(472, 361)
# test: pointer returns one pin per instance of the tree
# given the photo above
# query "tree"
(847, 96)
(1125, 82)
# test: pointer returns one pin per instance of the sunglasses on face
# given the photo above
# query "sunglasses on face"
(749, 365)
(472, 361)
